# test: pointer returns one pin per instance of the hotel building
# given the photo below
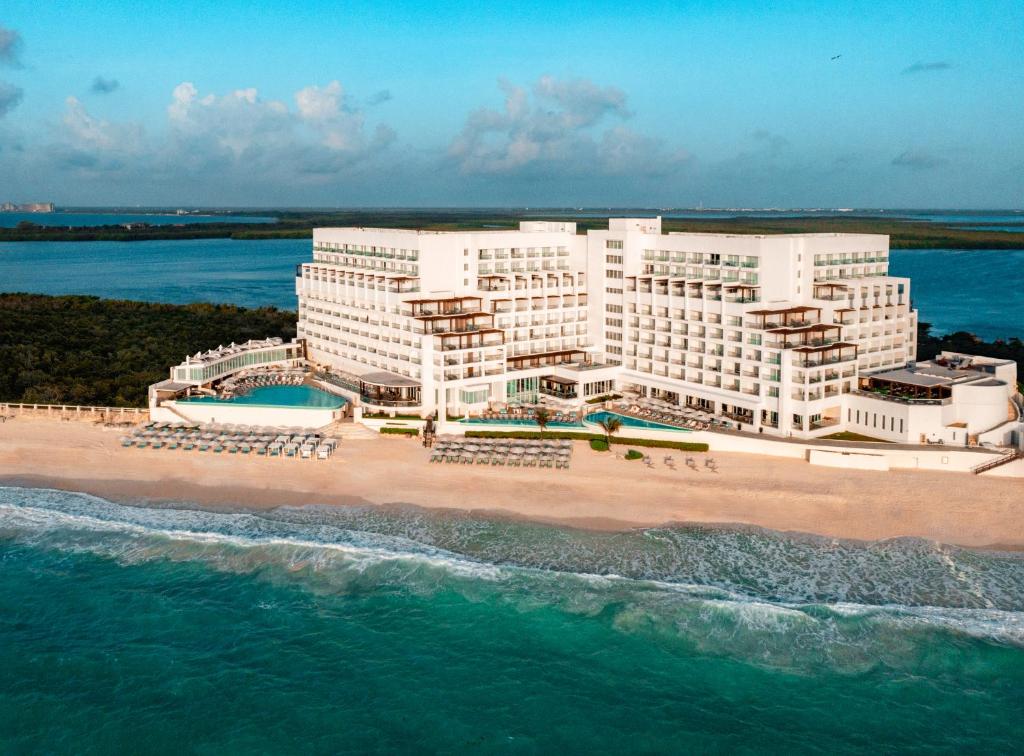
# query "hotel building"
(776, 334)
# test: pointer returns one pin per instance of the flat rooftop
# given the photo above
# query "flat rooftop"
(929, 373)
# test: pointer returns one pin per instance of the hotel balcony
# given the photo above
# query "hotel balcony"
(448, 306)
(826, 355)
(483, 338)
(467, 322)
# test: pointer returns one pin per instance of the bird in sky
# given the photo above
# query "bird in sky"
(837, 57)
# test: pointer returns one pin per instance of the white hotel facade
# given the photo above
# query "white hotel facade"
(777, 333)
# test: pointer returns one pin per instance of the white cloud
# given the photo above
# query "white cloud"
(321, 135)
(558, 128)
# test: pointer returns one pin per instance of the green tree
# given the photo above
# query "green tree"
(610, 425)
(542, 417)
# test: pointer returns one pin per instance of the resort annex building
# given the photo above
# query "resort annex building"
(774, 334)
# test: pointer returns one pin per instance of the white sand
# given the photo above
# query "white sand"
(598, 491)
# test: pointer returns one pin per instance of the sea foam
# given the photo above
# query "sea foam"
(774, 599)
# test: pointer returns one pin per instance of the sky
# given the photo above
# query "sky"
(600, 104)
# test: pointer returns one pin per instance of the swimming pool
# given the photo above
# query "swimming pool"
(519, 421)
(591, 422)
(633, 422)
(297, 397)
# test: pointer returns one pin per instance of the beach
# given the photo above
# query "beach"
(599, 491)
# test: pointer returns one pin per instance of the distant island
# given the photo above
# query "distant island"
(299, 224)
(29, 207)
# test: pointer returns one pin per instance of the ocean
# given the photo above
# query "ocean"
(169, 630)
(981, 291)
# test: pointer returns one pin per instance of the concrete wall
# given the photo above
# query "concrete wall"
(848, 460)
(981, 406)
(241, 414)
(921, 458)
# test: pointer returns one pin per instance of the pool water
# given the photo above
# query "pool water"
(633, 422)
(592, 419)
(520, 421)
(280, 396)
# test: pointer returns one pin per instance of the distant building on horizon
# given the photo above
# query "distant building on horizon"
(31, 207)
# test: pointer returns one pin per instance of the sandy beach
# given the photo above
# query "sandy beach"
(598, 491)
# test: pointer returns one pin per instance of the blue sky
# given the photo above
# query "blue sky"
(733, 104)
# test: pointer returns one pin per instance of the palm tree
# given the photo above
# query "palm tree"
(542, 417)
(610, 425)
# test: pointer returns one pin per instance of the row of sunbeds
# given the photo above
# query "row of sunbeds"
(269, 442)
(682, 418)
(503, 452)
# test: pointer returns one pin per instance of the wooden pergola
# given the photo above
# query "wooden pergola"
(832, 288)
(807, 335)
(444, 306)
(746, 291)
(543, 359)
(906, 389)
(469, 321)
(838, 352)
(790, 316)
(453, 340)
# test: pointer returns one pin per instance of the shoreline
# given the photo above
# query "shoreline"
(251, 500)
(597, 492)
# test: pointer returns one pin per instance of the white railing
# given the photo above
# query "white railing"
(74, 411)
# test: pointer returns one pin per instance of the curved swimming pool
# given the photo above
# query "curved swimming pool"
(633, 422)
(589, 424)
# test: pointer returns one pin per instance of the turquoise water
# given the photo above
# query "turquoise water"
(632, 422)
(593, 418)
(373, 630)
(520, 421)
(280, 396)
(10, 220)
(975, 290)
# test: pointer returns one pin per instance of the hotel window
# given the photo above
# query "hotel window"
(613, 259)
(473, 397)
(613, 244)
(614, 274)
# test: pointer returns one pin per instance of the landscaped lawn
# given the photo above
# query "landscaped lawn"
(848, 436)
